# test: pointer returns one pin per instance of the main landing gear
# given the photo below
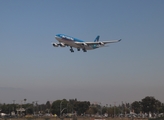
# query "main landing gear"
(78, 49)
(71, 49)
(84, 50)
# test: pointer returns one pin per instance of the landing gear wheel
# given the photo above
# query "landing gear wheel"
(84, 50)
(71, 50)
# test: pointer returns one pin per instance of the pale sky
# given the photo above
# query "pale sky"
(128, 71)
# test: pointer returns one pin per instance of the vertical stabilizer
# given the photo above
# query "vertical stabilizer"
(97, 39)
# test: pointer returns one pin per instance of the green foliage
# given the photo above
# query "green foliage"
(146, 105)
(137, 106)
(56, 107)
(104, 110)
(150, 104)
(7, 108)
(81, 107)
(48, 105)
(59, 106)
(92, 110)
(113, 111)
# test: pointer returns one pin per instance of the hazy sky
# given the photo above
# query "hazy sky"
(128, 71)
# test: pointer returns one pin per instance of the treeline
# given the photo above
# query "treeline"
(58, 107)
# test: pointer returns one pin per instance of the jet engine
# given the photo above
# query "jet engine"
(84, 44)
(101, 43)
(62, 45)
(55, 44)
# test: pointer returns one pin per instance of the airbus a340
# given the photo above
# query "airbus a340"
(65, 40)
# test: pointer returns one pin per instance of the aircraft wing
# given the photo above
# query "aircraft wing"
(94, 43)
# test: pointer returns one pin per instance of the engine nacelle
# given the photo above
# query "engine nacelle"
(62, 45)
(55, 44)
(84, 44)
(101, 43)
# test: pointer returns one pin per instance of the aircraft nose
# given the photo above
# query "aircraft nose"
(57, 37)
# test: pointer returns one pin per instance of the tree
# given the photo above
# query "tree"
(59, 105)
(92, 110)
(25, 101)
(104, 110)
(161, 110)
(150, 104)
(81, 107)
(136, 106)
(29, 109)
(48, 106)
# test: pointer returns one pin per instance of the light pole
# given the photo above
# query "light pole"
(60, 108)
(100, 109)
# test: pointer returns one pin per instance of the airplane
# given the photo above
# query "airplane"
(65, 40)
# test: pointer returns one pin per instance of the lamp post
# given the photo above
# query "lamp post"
(60, 108)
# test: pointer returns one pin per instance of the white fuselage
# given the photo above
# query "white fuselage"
(71, 42)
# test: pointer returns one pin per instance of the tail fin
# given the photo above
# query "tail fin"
(97, 39)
